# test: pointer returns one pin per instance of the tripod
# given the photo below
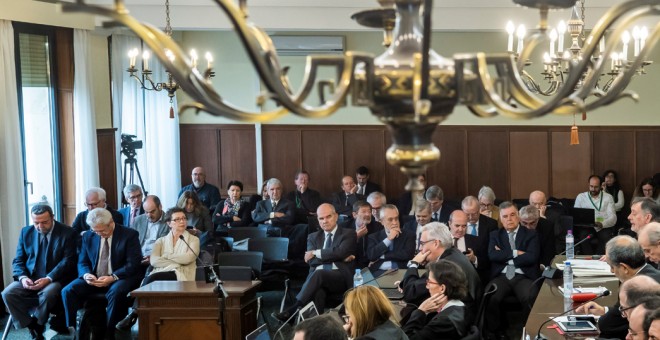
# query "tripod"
(132, 162)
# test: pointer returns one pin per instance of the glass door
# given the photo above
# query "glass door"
(38, 116)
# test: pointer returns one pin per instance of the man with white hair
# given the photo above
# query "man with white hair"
(390, 248)
(133, 195)
(377, 200)
(436, 243)
(94, 198)
(649, 239)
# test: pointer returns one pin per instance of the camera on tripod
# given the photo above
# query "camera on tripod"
(129, 145)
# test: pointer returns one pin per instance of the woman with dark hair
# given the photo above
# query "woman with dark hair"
(368, 315)
(197, 216)
(647, 188)
(611, 186)
(233, 211)
(442, 316)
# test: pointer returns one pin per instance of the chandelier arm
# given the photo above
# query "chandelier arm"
(593, 75)
(482, 111)
(534, 87)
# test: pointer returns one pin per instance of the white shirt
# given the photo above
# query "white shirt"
(603, 206)
(150, 238)
(317, 252)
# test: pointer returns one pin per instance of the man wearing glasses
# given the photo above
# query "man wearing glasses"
(133, 194)
(109, 263)
(45, 259)
(94, 198)
(626, 259)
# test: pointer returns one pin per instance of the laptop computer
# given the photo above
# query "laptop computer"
(369, 279)
(307, 312)
(583, 217)
(261, 333)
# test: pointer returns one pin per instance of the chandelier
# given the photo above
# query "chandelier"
(171, 86)
(556, 60)
(410, 88)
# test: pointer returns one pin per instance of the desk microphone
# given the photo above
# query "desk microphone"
(554, 273)
(540, 336)
(387, 272)
(214, 277)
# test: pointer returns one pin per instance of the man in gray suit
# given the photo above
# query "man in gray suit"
(150, 226)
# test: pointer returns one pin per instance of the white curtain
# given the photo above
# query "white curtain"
(145, 114)
(12, 195)
(84, 119)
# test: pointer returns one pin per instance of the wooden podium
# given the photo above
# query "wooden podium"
(190, 310)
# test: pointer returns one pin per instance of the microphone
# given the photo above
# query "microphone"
(387, 272)
(279, 330)
(208, 268)
(540, 336)
(554, 273)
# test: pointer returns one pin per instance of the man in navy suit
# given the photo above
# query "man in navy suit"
(276, 211)
(364, 186)
(109, 263)
(343, 201)
(364, 225)
(514, 255)
(390, 248)
(470, 245)
(479, 226)
(45, 257)
(440, 210)
(329, 254)
(133, 194)
(422, 218)
(94, 198)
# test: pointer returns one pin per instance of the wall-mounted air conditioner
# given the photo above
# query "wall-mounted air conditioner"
(289, 45)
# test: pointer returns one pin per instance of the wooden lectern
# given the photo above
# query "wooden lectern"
(189, 310)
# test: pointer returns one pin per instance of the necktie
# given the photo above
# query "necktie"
(455, 242)
(473, 229)
(435, 216)
(40, 266)
(274, 205)
(327, 245)
(360, 190)
(346, 204)
(133, 215)
(510, 268)
(102, 270)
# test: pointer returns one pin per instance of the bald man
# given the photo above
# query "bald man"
(208, 193)
(649, 239)
(343, 200)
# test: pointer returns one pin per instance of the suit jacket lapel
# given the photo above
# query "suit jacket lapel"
(520, 236)
(96, 244)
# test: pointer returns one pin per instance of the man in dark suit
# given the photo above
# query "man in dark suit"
(277, 212)
(94, 198)
(327, 253)
(531, 219)
(306, 200)
(133, 194)
(364, 186)
(422, 218)
(109, 263)
(439, 210)
(480, 226)
(343, 200)
(626, 259)
(470, 245)
(436, 244)
(45, 258)
(390, 248)
(208, 193)
(514, 257)
(364, 226)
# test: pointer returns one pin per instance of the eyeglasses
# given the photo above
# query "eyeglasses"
(421, 243)
(135, 197)
(346, 318)
(429, 282)
(179, 219)
(93, 204)
(623, 311)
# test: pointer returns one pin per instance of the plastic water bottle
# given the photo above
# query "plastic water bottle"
(568, 279)
(357, 278)
(570, 245)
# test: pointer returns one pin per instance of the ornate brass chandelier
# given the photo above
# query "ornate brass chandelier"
(409, 87)
(556, 59)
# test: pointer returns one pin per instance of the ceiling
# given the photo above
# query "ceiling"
(333, 15)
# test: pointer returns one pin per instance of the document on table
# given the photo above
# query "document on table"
(588, 268)
(578, 290)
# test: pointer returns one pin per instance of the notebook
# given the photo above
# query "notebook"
(369, 279)
(261, 333)
(583, 217)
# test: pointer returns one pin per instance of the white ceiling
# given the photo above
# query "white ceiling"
(328, 15)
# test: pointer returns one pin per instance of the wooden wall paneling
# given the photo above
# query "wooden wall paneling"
(239, 158)
(395, 181)
(616, 150)
(107, 169)
(488, 162)
(529, 162)
(365, 147)
(65, 74)
(647, 144)
(571, 164)
(199, 147)
(282, 155)
(449, 172)
(322, 157)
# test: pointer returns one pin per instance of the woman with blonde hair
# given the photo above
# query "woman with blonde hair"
(368, 315)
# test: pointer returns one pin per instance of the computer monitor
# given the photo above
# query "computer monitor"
(583, 217)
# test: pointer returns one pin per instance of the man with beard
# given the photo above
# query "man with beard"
(208, 193)
(604, 214)
(362, 222)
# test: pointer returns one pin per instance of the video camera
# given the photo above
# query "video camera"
(129, 145)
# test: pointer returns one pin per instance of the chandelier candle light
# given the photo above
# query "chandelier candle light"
(410, 87)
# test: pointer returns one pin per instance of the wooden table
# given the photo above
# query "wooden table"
(550, 302)
(189, 310)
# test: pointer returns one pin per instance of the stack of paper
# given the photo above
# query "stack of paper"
(588, 268)
(578, 290)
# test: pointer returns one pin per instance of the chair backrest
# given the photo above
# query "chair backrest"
(252, 259)
(241, 233)
(227, 273)
(491, 288)
(273, 248)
